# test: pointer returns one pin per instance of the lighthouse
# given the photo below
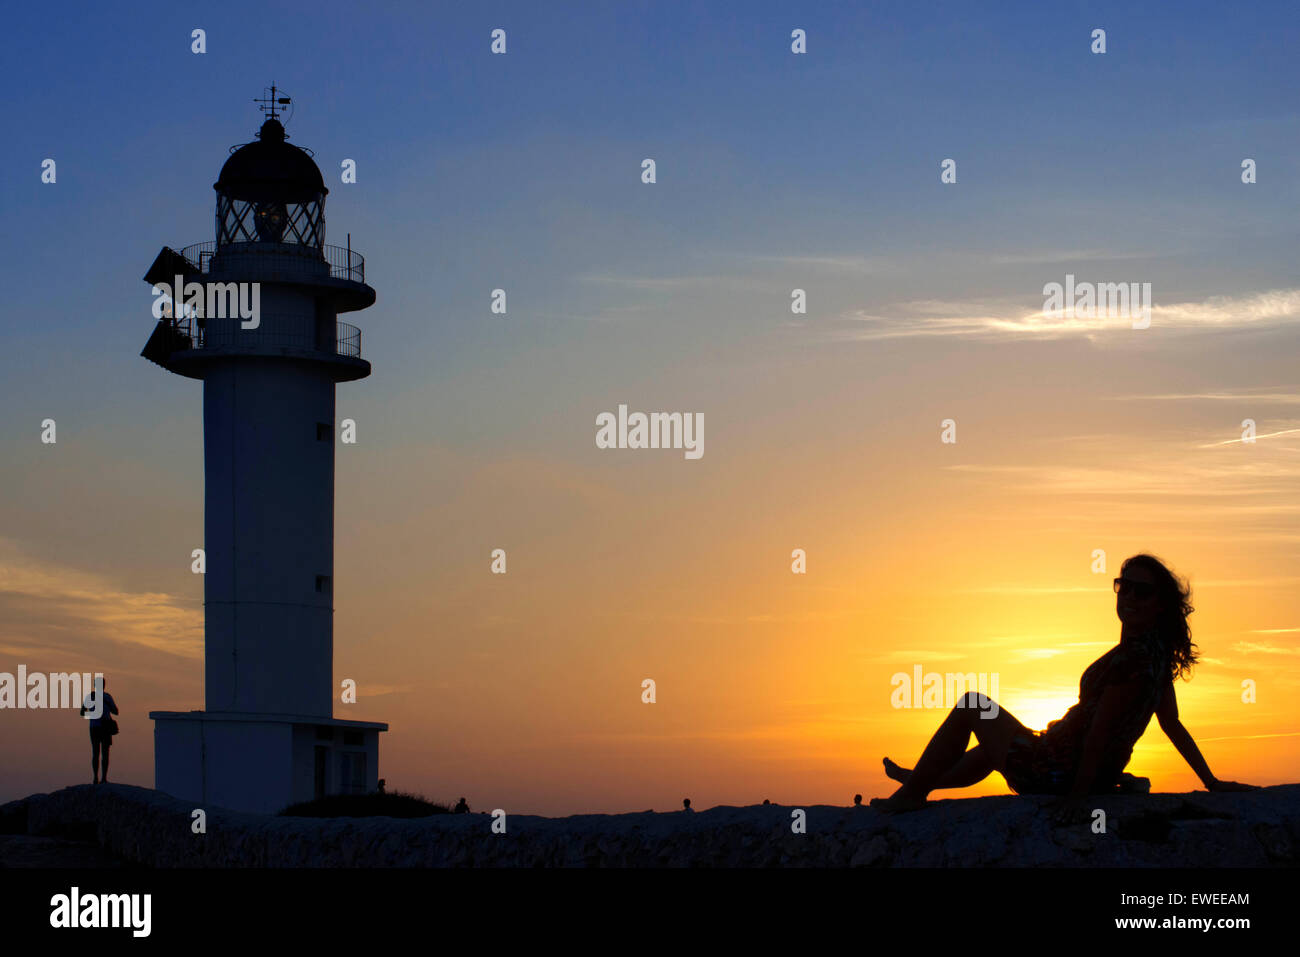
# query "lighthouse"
(255, 316)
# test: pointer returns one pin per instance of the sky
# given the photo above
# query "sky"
(775, 171)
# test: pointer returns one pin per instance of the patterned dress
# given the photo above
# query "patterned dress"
(1045, 762)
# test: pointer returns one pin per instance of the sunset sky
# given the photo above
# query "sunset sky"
(476, 431)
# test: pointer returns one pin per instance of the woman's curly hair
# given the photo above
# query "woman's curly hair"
(1175, 598)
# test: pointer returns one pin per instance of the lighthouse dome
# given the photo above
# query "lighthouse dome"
(270, 191)
(270, 168)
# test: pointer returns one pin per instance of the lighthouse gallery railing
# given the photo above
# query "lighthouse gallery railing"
(190, 333)
(343, 264)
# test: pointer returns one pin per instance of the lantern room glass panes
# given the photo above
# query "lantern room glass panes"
(244, 221)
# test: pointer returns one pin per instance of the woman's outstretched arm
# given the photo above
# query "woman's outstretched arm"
(1167, 715)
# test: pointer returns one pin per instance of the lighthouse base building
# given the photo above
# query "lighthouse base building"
(262, 762)
(254, 315)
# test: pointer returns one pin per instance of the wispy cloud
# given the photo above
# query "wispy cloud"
(624, 313)
(1255, 438)
(1229, 480)
(1222, 395)
(1046, 256)
(1016, 589)
(1031, 589)
(1250, 647)
(914, 657)
(803, 618)
(1247, 582)
(659, 283)
(1273, 305)
(70, 607)
(1000, 319)
(815, 728)
(852, 265)
(1253, 737)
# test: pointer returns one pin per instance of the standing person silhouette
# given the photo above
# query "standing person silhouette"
(102, 729)
(1084, 752)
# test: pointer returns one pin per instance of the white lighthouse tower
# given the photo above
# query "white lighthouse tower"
(268, 737)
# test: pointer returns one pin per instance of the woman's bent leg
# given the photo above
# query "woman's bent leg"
(971, 769)
(948, 747)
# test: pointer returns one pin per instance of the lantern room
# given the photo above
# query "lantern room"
(271, 191)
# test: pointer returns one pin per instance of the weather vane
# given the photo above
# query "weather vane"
(270, 105)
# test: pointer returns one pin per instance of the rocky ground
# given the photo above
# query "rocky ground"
(112, 824)
(24, 850)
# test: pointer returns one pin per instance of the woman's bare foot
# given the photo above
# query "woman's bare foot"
(897, 805)
(898, 802)
(895, 772)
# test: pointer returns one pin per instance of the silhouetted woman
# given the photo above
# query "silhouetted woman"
(1085, 752)
(101, 730)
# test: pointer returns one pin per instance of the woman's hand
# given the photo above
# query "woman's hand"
(1217, 785)
(1070, 809)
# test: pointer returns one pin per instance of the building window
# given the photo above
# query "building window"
(323, 584)
(324, 432)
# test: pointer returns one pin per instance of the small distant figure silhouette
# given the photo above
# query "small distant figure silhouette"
(461, 807)
(381, 785)
(686, 804)
(102, 729)
(766, 801)
(857, 800)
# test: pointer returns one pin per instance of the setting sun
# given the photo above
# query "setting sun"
(1035, 711)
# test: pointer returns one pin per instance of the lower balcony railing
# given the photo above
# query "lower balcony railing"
(190, 333)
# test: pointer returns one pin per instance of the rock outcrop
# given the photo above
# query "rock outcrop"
(1250, 829)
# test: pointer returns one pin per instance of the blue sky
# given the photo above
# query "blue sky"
(521, 171)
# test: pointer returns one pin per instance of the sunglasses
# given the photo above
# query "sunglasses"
(1136, 589)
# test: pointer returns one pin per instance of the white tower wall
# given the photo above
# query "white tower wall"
(269, 536)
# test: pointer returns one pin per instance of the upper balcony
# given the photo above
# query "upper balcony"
(335, 271)
(342, 263)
